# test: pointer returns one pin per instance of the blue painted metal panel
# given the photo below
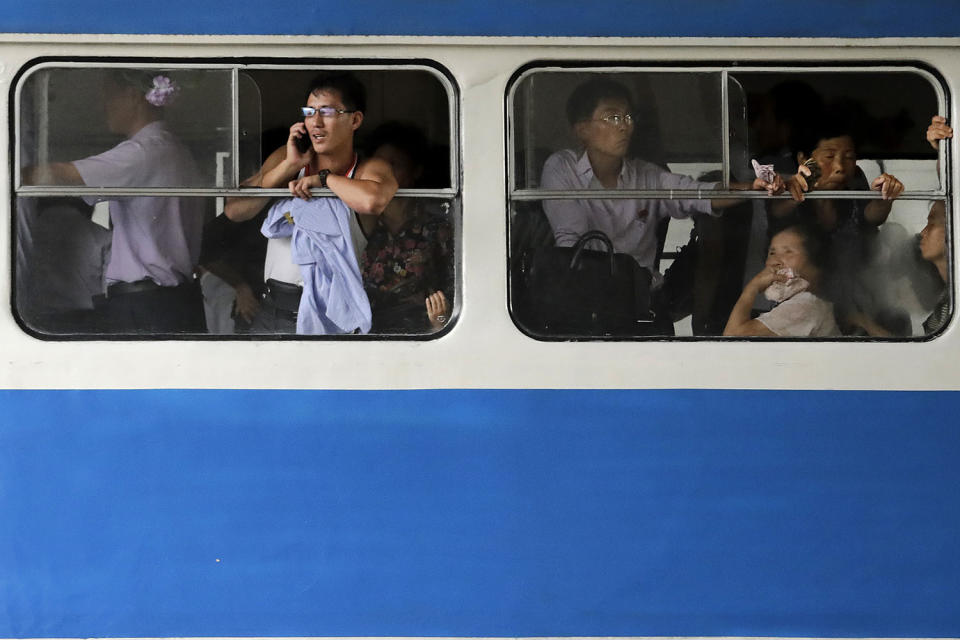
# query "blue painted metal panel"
(877, 18)
(488, 513)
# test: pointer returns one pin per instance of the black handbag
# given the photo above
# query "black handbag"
(576, 292)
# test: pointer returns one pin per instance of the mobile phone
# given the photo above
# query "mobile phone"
(815, 172)
(303, 143)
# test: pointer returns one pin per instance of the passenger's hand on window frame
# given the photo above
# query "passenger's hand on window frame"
(938, 130)
(888, 186)
(300, 187)
(797, 184)
(772, 188)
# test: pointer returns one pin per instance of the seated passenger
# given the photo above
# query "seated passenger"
(791, 278)
(600, 111)
(150, 283)
(318, 244)
(406, 266)
(851, 224)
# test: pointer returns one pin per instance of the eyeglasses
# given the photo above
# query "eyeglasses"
(323, 112)
(615, 119)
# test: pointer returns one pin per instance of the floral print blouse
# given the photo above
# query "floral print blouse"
(401, 270)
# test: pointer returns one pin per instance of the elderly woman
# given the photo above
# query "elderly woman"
(792, 278)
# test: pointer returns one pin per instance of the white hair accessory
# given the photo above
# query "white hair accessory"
(163, 92)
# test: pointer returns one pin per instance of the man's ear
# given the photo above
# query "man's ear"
(357, 119)
(579, 130)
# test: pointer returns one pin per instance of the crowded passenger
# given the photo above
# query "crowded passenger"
(827, 161)
(231, 273)
(792, 278)
(407, 265)
(600, 112)
(313, 282)
(155, 245)
(932, 249)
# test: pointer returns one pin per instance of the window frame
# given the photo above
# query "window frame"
(516, 195)
(451, 195)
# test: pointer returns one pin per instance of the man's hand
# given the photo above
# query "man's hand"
(888, 186)
(937, 131)
(246, 304)
(300, 187)
(294, 156)
(772, 188)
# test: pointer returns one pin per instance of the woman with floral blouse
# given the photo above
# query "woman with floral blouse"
(407, 270)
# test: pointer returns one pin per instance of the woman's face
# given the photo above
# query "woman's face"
(119, 106)
(933, 238)
(837, 158)
(787, 252)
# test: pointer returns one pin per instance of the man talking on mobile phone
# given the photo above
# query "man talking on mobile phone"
(313, 283)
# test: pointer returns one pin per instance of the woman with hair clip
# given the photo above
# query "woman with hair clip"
(150, 284)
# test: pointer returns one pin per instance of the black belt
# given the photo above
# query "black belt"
(283, 296)
(123, 288)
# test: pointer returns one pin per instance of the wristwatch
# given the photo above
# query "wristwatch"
(322, 174)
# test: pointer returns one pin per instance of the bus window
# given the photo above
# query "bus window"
(126, 177)
(643, 203)
(68, 114)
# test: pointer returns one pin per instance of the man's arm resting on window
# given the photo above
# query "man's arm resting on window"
(772, 189)
(369, 192)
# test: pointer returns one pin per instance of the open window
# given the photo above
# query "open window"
(115, 199)
(634, 213)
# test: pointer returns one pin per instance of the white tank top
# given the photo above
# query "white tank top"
(278, 265)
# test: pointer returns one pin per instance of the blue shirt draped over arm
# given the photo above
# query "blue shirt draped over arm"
(333, 300)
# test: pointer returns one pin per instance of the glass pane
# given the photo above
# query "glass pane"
(586, 291)
(882, 280)
(76, 277)
(409, 271)
(250, 112)
(676, 122)
(413, 97)
(404, 257)
(885, 114)
(125, 127)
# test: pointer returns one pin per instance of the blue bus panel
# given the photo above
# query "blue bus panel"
(653, 18)
(479, 513)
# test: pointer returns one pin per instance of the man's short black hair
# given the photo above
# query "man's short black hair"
(587, 96)
(351, 90)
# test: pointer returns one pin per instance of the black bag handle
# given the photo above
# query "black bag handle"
(582, 243)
